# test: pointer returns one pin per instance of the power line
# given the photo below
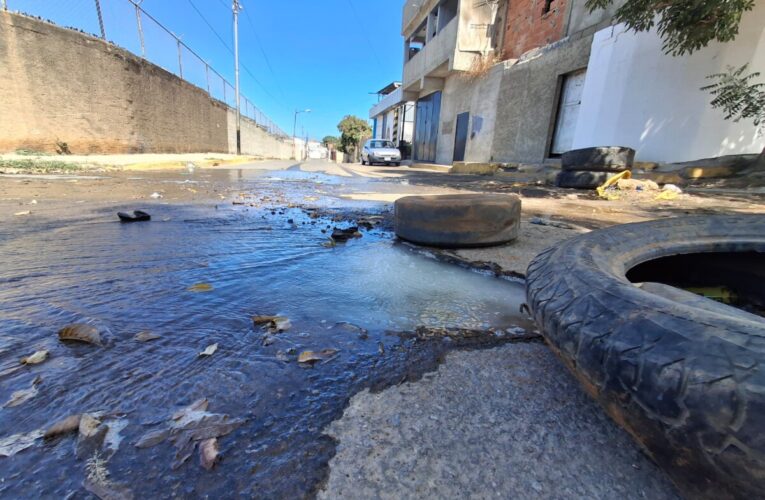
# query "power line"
(262, 51)
(231, 51)
(366, 36)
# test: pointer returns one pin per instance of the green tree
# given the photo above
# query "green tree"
(331, 140)
(352, 131)
(739, 97)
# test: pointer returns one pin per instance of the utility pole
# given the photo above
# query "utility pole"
(100, 19)
(5, 4)
(237, 7)
(294, 132)
(140, 27)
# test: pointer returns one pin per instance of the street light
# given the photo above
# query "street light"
(294, 131)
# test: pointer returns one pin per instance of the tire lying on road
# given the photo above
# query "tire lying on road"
(601, 159)
(582, 180)
(462, 220)
(685, 380)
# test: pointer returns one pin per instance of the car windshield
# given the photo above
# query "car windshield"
(381, 144)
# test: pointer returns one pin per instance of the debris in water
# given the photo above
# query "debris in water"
(98, 483)
(350, 327)
(146, 337)
(275, 324)
(81, 332)
(208, 453)
(21, 397)
(92, 434)
(26, 212)
(156, 196)
(13, 444)
(136, 216)
(309, 357)
(343, 235)
(209, 351)
(35, 359)
(65, 426)
(547, 222)
(200, 288)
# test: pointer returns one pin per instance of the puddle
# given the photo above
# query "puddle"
(132, 278)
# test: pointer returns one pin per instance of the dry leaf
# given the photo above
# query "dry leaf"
(208, 453)
(314, 356)
(198, 405)
(13, 444)
(273, 323)
(35, 359)
(81, 332)
(209, 351)
(146, 337)
(65, 426)
(201, 287)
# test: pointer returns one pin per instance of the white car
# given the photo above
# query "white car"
(380, 151)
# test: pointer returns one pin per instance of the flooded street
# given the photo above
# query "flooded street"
(193, 277)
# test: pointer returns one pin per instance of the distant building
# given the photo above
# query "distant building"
(524, 81)
(392, 117)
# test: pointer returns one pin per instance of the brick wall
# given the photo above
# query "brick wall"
(527, 25)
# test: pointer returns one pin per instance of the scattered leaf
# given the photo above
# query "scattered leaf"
(198, 405)
(201, 288)
(13, 444)
(208, 453)
(26, 212)
(314, 356)
(146, 337)
(35, 359)
(81, 332)
(209, 351)
(65, 426)
(275, 324)
(21, 397)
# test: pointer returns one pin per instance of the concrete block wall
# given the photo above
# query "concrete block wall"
(61, 85)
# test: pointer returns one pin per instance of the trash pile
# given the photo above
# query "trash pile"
(622, 186)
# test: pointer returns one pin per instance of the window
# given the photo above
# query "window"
(547, 7)
(381, 144)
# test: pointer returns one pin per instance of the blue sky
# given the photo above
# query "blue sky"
(327, 55)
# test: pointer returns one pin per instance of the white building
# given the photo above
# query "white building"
(392, 117)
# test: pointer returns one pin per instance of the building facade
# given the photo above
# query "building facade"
(524, 81)
(392, 117)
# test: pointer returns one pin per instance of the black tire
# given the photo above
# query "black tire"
(582, 180)
(603, 159)
(362, 161)
(687, 382)
(398, 164)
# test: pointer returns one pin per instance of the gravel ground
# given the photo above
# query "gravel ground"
(508, 422)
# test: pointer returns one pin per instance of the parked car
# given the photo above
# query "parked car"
(380, 151)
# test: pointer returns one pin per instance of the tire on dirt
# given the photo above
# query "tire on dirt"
(602, 159)
(458, 221)
(687, 383)
(582, 180)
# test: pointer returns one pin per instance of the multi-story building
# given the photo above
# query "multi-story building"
(392, 117)
(526, 80)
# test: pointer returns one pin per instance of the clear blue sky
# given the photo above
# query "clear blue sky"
(326, 55)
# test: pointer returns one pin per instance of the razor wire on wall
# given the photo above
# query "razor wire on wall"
(150, 40)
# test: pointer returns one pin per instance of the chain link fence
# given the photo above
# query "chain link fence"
(150, 40)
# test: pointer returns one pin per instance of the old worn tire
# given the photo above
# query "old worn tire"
(462, 220)
(688, 383)
(602, 159)
(581, 180)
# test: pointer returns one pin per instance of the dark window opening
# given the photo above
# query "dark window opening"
(548, 6)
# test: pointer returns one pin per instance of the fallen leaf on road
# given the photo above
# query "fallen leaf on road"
(65, 426)
(209, 351)
(81, 332)
(314, 356)
(208, 453)
(35, 359)
(21, 397)
(200, 288)
(146, 337)
(13, 444)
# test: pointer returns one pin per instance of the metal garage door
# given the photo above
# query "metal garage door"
(426, 127)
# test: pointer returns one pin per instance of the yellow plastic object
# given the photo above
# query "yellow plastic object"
(611, 181)
(666, 195)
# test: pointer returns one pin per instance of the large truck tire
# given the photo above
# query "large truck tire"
(601, 159)
(582, 180)
(687, 381)
(458, 221)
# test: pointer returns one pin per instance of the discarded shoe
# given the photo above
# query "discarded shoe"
(137, 216)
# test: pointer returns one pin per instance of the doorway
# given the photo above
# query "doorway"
(568, 112)
(460, 136)
(426, 127)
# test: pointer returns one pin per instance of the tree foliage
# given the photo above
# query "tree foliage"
(683, 25)
(353, 130)
(738, 97)
(330, 140)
